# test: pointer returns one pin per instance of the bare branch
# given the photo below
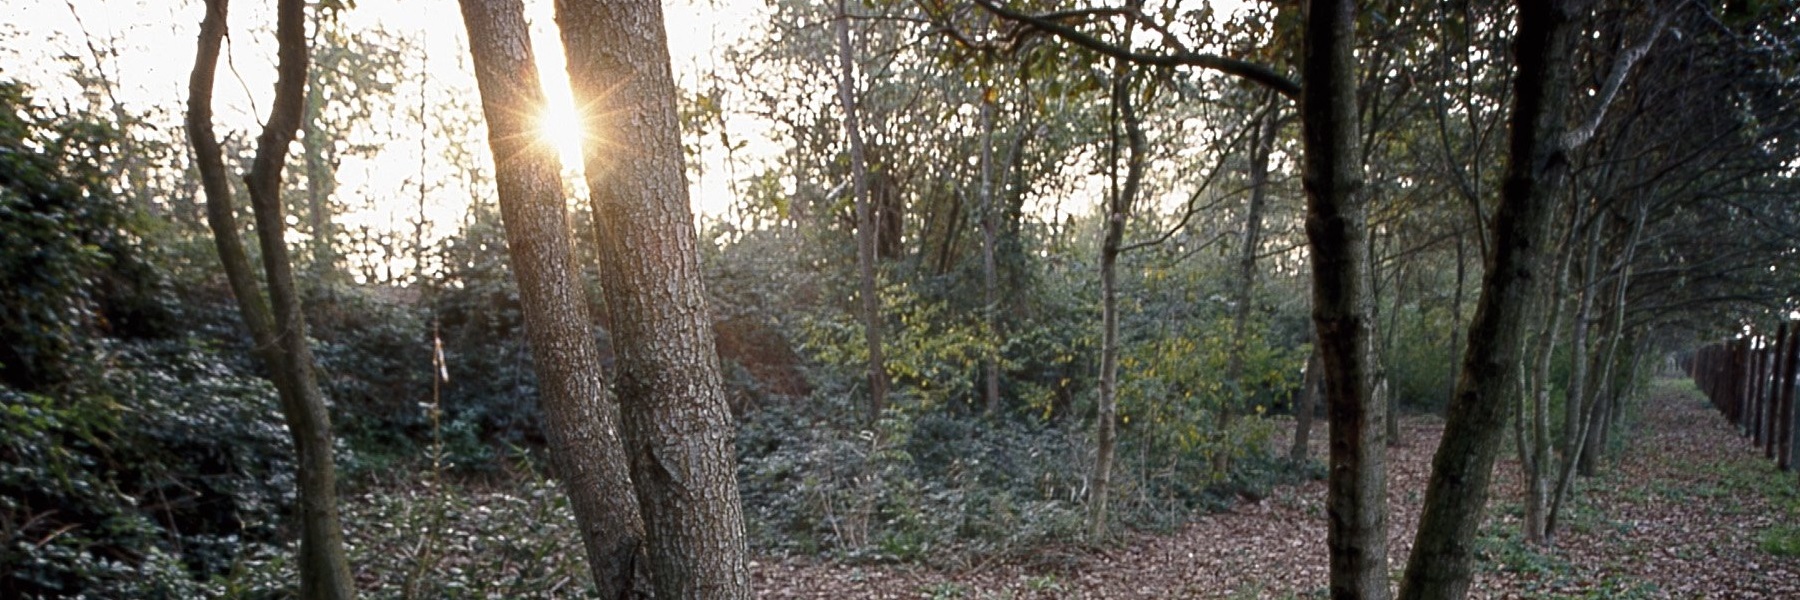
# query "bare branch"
(1249, 71)
(1579, 136)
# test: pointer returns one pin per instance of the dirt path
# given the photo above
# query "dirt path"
(1680, 514)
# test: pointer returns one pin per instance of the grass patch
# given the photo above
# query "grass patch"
(1682, 386)
(1623, 588)
(1503, 549)
(1547, 573)
(1781, 540)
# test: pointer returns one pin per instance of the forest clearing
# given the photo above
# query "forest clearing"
(723, 299)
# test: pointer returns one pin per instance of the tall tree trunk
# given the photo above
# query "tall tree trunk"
(321, 181)
(1262, 144)
(1118, 210)
(1310, 386)
(1600, 397)
(678, 426)
(1356, 489)
(1592, 444)
(1599, 368)
(1009, 248)
(1537, 444)
(1379, 336)
(866, 231)
(1576, 400)
(990, 278)
(1457, 493)
(278, 329)
(582, 425)
(1537, 469)
(1627, 386)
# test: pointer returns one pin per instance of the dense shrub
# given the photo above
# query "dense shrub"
(150, 483)
(938, 487)
(944, 488)
(69, 254)
(426, 539)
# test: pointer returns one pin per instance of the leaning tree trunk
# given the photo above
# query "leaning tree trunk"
(678, 426)
(278, 328)
(1439, 566)
(1605, 396)
(1579, 348)
(1587, 461)
(866, 219)
(1356, 489)
(1537, 469)
(1594, 438)
(1624, 386)
(1536, 443)
(581, 423)
(1118, 210)
(1582, 456)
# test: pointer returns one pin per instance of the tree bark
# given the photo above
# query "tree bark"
(582, 425)
(1356, 488)
(1455, 496)
(277, 329)
(866, 232)
(678, 426)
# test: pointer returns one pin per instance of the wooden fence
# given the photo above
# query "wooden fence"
(1751, 379)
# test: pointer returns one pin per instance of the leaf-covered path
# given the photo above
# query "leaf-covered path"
(1684, 511)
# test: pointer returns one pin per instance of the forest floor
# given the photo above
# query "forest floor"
(1687, 509)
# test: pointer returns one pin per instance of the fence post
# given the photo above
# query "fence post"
(1772, 416)
(1752, 390)
(1709, 372)
(1759, 385)
(1740, 383)
(1784, 452)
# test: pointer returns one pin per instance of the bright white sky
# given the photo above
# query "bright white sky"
(148, 50)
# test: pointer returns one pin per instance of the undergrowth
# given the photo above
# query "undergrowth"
(945, 489)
